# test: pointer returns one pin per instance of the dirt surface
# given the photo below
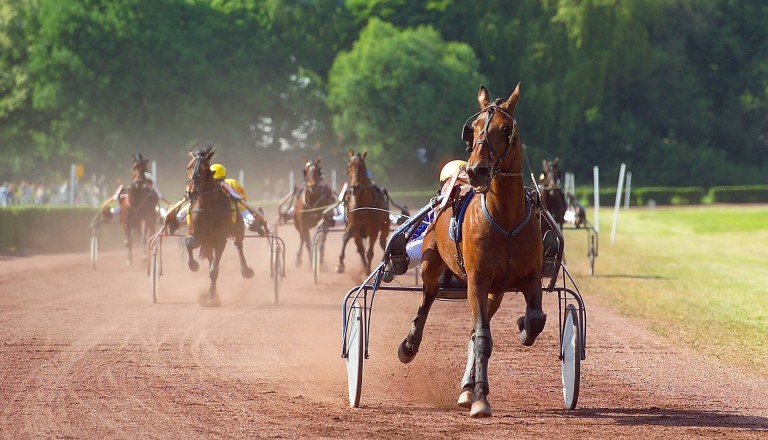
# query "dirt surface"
(86, 353)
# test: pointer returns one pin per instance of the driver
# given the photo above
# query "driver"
(236, 191)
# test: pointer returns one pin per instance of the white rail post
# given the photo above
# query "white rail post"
(618, 202)
(627, 189)
(241, 178)
(153, 171)
(290, 181)
(596, 176)
(333, 179)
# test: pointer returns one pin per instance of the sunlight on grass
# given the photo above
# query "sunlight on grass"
(697, 275)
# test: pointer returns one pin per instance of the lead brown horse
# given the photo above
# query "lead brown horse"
(138, 206)
(213, 218)
(311, 200)
(500, 249)
(367, 211)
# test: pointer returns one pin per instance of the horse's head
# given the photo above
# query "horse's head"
(138, 171)
(550, 174)
(493, 140)
(313, 175)
(199, 174)
(356, 170)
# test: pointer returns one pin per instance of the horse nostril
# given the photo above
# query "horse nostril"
(478, 171)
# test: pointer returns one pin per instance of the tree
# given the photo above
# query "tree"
(403, 95)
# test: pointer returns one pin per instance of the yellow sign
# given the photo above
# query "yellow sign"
(79, 170)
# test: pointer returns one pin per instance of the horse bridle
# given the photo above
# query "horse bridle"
(192, 181)
(468, 134)
(310, 168)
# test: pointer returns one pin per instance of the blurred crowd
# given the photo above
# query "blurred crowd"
(95, 191)
(87, 193)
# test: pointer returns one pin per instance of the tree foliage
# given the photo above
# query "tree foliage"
(677, 89)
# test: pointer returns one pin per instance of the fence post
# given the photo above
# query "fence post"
(596, 177)
(618, 201)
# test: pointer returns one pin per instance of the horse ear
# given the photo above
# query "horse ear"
(365, 153)
(482, 97)
(511, 103)
(350, 153)
(317, 161)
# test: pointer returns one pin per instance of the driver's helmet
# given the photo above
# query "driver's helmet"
(219, 172)
(451, 168)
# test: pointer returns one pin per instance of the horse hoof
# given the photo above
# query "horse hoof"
(404, 358)
(536, 325)
(339, 268)
(465, 399)
(480, 408)
(194, 265)
(247, 273)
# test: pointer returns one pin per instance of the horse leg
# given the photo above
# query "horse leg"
(213, 272)
(369, 254)
(431, 266)
(246, 271)
(468, 382)
(129, 245)
(345, 238)
(191, 243)
(361, 251)
(533, 322)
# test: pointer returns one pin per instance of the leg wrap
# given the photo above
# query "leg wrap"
(483, 348)
(468, 381)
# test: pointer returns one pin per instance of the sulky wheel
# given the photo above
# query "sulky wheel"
(277, 271)
(570, 351)
(94, 248)
(315, 259)
(355, 353)
(154, 271)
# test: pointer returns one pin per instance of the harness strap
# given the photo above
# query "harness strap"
(501, 230)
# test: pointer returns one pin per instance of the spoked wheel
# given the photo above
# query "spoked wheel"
(315, 259)
(355, 353)
(592, 254)
(570, 351)
(154, 271)
(94, 249)
(277, 271)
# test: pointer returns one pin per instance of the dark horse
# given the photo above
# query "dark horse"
(213, 218)
(367, 211)
(138, 206)
(551, 194)
(500, 248)
(311, 201)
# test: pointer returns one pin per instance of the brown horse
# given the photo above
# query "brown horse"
(551, 194)
(367, 211)
(500, 248)
(138, 206)
(213, 218)
(311, 201)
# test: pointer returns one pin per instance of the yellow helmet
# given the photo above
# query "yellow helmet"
(451, 168)
(219, 172)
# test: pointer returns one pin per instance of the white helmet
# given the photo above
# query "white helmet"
(451, 168)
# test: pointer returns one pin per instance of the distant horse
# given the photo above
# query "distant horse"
(498, 247)
(213, 218)
(367, 211)
(311, 201)
(138, 206)
(551, 193)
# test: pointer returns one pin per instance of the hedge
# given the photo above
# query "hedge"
(738, 194)
(33, 229)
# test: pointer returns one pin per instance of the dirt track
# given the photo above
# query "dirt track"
(86, 354)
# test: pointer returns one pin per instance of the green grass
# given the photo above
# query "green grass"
(697, 275)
